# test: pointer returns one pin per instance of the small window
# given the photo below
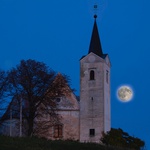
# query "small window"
(58, 132)
(92, 75)
(92, 132)
(107, 76)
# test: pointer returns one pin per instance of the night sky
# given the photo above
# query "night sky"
(58, 32)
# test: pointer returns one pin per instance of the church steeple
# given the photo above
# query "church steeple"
(94, 91)
(95, 44)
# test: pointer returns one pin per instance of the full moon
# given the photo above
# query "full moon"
(124, 93)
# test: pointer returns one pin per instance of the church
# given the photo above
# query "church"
(86, 118)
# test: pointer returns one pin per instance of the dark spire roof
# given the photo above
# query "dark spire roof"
(95, 44)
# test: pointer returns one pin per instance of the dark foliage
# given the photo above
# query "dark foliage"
(119, 138)
(8, 143)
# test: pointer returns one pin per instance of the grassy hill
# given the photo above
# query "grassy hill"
(9, 143)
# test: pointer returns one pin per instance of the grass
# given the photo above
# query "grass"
(26, 143)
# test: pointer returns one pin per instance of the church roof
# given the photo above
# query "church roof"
(95, 44)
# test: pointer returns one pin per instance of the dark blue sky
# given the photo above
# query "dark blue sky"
(58, 33)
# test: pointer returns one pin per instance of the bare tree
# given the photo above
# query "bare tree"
(3, 84)
(33, 82)
(46, 114)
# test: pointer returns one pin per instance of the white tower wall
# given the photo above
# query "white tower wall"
(94, 98)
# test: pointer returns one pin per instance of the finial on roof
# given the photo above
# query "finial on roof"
(95, 16)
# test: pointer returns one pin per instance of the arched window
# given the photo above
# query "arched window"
(92, 75)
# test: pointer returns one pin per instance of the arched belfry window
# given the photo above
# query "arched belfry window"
(92, 75)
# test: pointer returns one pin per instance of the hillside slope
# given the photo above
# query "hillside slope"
(9, 143)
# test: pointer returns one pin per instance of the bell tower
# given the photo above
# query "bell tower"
(94, 91)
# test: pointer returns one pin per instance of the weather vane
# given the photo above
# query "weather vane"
(95, 10)
(95, 6)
